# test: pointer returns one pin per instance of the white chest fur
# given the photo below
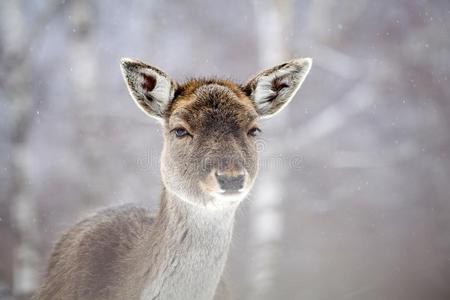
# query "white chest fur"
(194, 268)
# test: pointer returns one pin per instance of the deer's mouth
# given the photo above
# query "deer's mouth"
(230, 196)
(231, 192)
(226, 188)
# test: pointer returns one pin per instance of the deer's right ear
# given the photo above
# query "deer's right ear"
(150, 88)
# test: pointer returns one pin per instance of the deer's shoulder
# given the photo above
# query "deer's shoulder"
(113, 227)
(93, 253)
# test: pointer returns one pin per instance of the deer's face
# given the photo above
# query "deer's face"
(210, 143)
(210, 126)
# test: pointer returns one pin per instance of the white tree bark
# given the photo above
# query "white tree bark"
(82, 56)
(266, 227)
(22, 206)
(85, 101)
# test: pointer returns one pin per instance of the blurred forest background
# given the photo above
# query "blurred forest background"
(353, 197)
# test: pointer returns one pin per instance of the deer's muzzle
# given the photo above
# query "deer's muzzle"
(229, 182)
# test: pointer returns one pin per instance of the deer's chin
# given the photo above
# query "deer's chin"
(229, 196)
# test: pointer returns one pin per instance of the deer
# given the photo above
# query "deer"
(208, 165)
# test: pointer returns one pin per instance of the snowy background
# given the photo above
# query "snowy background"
(353, 197)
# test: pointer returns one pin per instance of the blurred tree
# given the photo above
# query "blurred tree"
(16, 81)
(17, 89)
(273, 23)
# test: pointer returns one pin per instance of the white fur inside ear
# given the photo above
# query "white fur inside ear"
(163, 91)
(291, 76)
(264, 91)
(149, 87)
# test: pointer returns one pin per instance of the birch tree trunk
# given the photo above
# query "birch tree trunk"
(266, 227)
(86, 102)
(20, 100)
(82, 56)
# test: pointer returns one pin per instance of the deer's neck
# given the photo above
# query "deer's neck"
(189, 249)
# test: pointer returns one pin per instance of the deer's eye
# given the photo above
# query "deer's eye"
(254, 131)
(180, 132)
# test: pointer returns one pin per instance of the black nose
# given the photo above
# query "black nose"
(230, 183)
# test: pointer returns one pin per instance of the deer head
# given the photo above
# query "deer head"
(210, 126)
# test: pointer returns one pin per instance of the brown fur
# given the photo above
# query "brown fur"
(128, 253)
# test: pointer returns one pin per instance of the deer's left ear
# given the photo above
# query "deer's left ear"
(272, 89)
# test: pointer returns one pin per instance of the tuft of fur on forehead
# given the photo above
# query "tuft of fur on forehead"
(190, 86)
(208, 92)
